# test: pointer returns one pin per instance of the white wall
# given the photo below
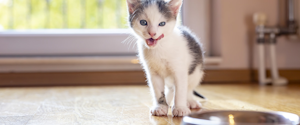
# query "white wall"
(233, 34)
(196, 16)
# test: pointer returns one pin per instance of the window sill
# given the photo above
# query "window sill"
(86, 63)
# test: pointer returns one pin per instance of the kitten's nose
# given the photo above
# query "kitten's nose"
(152, 34)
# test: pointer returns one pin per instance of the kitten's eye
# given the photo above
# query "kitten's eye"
(143, 22)
(162, 23)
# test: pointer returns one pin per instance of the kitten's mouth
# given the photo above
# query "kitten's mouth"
(152, 42)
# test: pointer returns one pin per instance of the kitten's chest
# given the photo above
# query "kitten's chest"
(158, 63)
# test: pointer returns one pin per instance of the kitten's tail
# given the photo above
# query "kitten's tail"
(199, 95)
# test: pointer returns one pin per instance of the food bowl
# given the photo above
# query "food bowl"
(241, 118)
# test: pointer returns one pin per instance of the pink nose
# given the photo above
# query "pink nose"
(152, 34)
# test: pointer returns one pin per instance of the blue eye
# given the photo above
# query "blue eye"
(162, 23)
(143, 22)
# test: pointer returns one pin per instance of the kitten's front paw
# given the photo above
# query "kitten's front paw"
(159, 110)
(193, 104)
(181, 111)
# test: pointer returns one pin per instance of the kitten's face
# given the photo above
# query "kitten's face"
(152, 20)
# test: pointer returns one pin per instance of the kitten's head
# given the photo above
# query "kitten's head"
(152, 20)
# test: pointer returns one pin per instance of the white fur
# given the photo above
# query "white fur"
(167, 64)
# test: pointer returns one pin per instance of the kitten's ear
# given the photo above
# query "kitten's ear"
(175, 6)
(132, 4)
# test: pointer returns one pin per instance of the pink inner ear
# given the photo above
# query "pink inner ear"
(132, 5)
(175, 10)
(175, 6)
(131, 8)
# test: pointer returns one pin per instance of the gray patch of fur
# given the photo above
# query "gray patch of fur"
(162, 99)
(195, 48)
(165, 10)
(137, 12)
(162, 7)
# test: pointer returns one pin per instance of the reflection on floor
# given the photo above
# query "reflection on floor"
(118, 105)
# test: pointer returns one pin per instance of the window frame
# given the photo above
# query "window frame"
(197, 24)
(62, 39)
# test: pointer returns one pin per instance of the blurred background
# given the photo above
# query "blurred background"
(90, 39)
(63, 14)
(74, 61)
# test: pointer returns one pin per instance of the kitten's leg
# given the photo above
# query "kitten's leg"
(180, 101)
(169, 90)
(169, 95)
(160, 106)
(194, 81)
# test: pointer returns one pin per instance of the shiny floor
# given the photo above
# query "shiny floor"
(129, 105)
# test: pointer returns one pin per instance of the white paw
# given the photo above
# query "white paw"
(181, 111)
(193, 104)
(159, 110)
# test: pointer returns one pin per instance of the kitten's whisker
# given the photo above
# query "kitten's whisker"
(124, 41)
(132, 40)
(129, 41)
(133, 45)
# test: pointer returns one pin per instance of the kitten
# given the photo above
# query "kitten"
(171, 56)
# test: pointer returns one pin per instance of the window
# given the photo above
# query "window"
(63, 14)
(77, 29)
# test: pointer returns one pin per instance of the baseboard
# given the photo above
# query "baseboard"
(125, 78)
(72, 78)
(245, 75)
(227, 76)
(291, 75)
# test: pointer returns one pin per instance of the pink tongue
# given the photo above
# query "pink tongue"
(151, 42)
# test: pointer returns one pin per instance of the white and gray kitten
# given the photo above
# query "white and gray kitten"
(171, 56)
